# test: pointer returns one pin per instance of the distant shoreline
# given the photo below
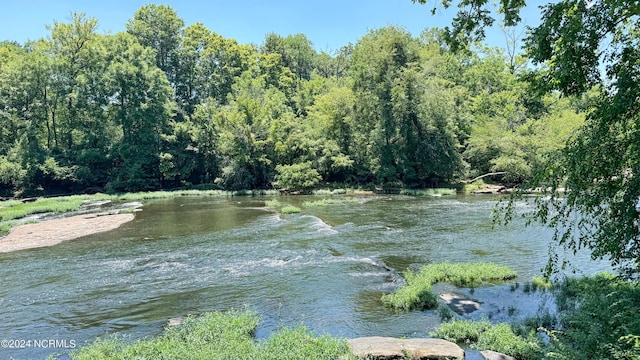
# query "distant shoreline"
(52, 232)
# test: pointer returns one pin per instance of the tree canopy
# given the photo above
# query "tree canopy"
(168, 104)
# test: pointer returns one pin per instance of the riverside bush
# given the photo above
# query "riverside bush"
(600, 318)
(482, 335)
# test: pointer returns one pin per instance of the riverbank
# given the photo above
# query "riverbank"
(55, 231)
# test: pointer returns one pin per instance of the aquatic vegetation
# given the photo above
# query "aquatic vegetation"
(482, 335)
(276, 205)
(218, 335)
(417, 295)
(537, 283)
(462, 331)
(428, 192)
(327, 192)
(330, 201)
(273, 203)
(290, 209)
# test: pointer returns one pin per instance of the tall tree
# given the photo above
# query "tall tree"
(296, 51)
(141, 104)
(77, 98)
(406, 141)
(158, 27)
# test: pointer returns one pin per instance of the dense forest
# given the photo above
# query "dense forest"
(165, 105)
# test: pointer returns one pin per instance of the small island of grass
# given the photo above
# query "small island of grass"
(417, 295)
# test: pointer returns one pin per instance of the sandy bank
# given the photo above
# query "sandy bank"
(52, 232)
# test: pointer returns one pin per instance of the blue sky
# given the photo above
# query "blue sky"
(329, 24)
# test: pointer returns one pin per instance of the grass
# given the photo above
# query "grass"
(417, 295)
(273, 204)
(428, 192)
(538, 283)
(325, 192)
(330, 201)
(177, 193)
(278, 206)
(482, 335)
(219, 335)
(12, 210)
(290, 209)
(43, 205)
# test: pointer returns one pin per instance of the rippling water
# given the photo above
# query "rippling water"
(325, 267)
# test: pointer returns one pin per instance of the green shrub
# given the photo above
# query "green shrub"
(597, 314)
(501, 338)
(297, 177)
(462, 331)
(542, 283)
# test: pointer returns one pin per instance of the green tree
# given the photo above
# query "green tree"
(403, 134)
(23, 83)
(142, 106)
(242, 126)
(158, 27)
(76, 99)
(296, 51)
(297, 177)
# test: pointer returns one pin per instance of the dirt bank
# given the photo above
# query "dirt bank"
(52, 232)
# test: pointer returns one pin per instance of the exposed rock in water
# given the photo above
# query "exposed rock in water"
(492, 355)
(460, 304)
(382, 348)
(176, 321)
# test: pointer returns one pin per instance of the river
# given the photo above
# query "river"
(325, 267)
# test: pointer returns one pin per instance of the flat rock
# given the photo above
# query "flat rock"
(492, 355)
(176, 321)
(383, 348)
(460, 304)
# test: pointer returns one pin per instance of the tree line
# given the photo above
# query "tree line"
(164, 105)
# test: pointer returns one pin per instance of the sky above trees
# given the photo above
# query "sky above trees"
(328, 24)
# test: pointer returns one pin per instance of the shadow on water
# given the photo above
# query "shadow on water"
(325, 267)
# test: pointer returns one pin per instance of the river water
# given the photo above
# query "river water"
(325, 267)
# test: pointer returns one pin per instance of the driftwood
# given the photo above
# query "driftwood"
(482, 176)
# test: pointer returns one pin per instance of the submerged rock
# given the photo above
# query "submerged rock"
(382, 348)
(460, 304)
